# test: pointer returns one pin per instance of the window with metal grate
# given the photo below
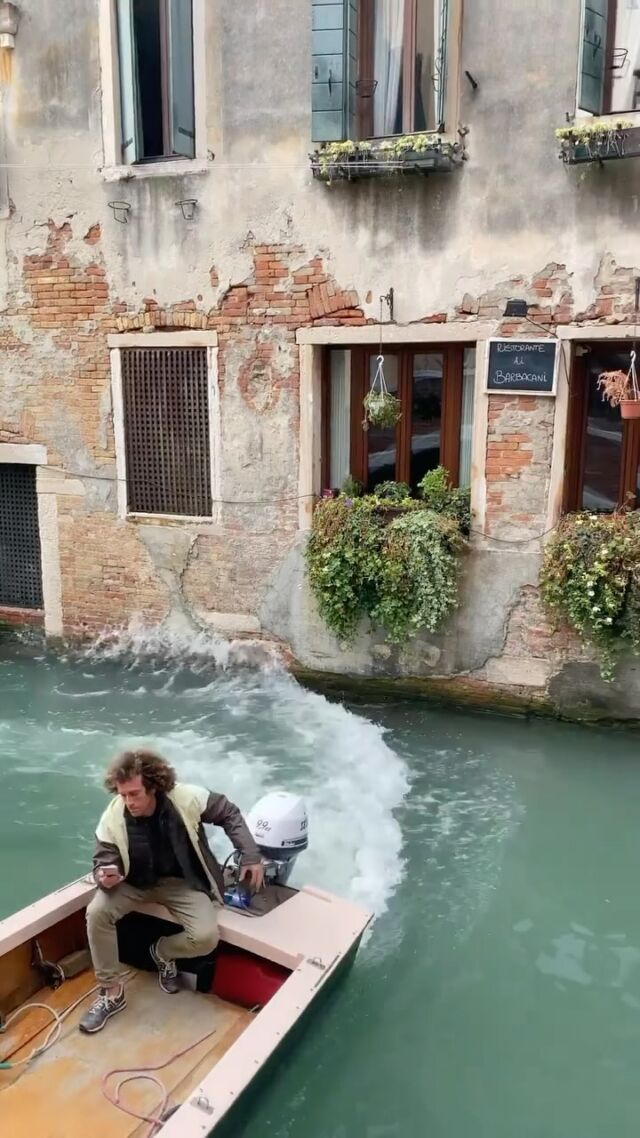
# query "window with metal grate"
(166, 426)
(20, 562)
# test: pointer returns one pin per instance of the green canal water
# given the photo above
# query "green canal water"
(498, 994)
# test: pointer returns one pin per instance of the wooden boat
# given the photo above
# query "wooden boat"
(218, 1035)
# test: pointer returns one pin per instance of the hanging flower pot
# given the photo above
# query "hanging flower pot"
(621, 390)
(630, 408)
(382, 409)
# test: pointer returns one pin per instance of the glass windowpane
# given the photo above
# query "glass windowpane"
(603, 443)
(426, 414)
(466, 417)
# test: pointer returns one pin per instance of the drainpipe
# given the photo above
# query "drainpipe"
(9, 23)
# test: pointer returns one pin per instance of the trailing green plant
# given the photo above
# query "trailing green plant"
(418, 583)
(344, 561)
(402, 574)
(591, 577)
(439, 495)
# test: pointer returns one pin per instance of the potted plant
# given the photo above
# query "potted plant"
(621, 390)
(382, 409)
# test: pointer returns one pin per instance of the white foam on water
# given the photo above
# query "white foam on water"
(250, 731)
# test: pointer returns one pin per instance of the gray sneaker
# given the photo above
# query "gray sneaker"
(167, 972)
(101, 1010)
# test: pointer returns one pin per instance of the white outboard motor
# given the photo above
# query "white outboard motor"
(279, 825)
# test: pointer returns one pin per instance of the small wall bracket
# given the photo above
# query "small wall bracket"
(387, 298)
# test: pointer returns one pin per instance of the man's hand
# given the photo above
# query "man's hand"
(108, 878)
(254, 874)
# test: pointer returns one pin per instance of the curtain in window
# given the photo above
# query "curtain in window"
(339, 430)
(387, 63)
(466, 419)
(625, 87)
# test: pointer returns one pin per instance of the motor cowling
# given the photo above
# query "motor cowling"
(280, 828)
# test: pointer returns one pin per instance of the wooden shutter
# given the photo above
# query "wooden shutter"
(166, 422)
(181, 110)
(129, 94)
(334, 51)
(593, 55)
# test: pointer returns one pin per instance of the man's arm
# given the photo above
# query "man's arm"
(220, 812)
(103, 855)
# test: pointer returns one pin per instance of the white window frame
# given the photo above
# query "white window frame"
(193, 339)
(49, 483)
(113, 169)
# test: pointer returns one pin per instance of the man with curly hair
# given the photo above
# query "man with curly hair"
(151, 846)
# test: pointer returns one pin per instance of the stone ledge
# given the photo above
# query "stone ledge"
(231, 623)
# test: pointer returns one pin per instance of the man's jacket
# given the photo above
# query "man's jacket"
(187, 808)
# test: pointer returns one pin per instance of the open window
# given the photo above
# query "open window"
(378, 67)
(609, 79)
(603, 450)
(155, 56)
(435, 386)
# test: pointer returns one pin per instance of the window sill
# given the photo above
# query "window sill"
(168, 519)
(605, 139)
(167, 168)
(408, 154)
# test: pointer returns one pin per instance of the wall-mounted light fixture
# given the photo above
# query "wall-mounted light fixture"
(188, 207)
(9, 21)
(516, 308)
(121, 211)
(520, 310)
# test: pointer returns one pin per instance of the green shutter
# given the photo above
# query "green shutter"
(442, 51)
(333, 69)
(593, 55)
(130, 128)
(182, 112)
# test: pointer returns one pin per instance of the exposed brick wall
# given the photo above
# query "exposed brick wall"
(56, 391)
(518, 463)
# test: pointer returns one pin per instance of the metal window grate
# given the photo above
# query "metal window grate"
(166, 424)
(20, 562)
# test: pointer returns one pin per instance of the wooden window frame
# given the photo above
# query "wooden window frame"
(451, 419)
(366, 65)
(577, 439)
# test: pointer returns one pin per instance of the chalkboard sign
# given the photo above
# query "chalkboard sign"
(525, 367)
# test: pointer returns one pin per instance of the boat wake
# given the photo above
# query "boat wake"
(243, 731)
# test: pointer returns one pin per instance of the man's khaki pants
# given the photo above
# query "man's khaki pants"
(187, 907)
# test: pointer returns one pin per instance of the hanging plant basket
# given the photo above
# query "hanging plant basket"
(621, 390)
(382, 409)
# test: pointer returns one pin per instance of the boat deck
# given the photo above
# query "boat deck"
(59, 1095)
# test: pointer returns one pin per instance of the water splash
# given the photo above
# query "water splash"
(243, 731)
(140, 643)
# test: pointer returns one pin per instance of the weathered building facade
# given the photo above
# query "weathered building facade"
(179, 294)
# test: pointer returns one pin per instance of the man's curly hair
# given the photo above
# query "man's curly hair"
(156, 773)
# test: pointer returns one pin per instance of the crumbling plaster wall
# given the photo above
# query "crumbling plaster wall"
(512, 221)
